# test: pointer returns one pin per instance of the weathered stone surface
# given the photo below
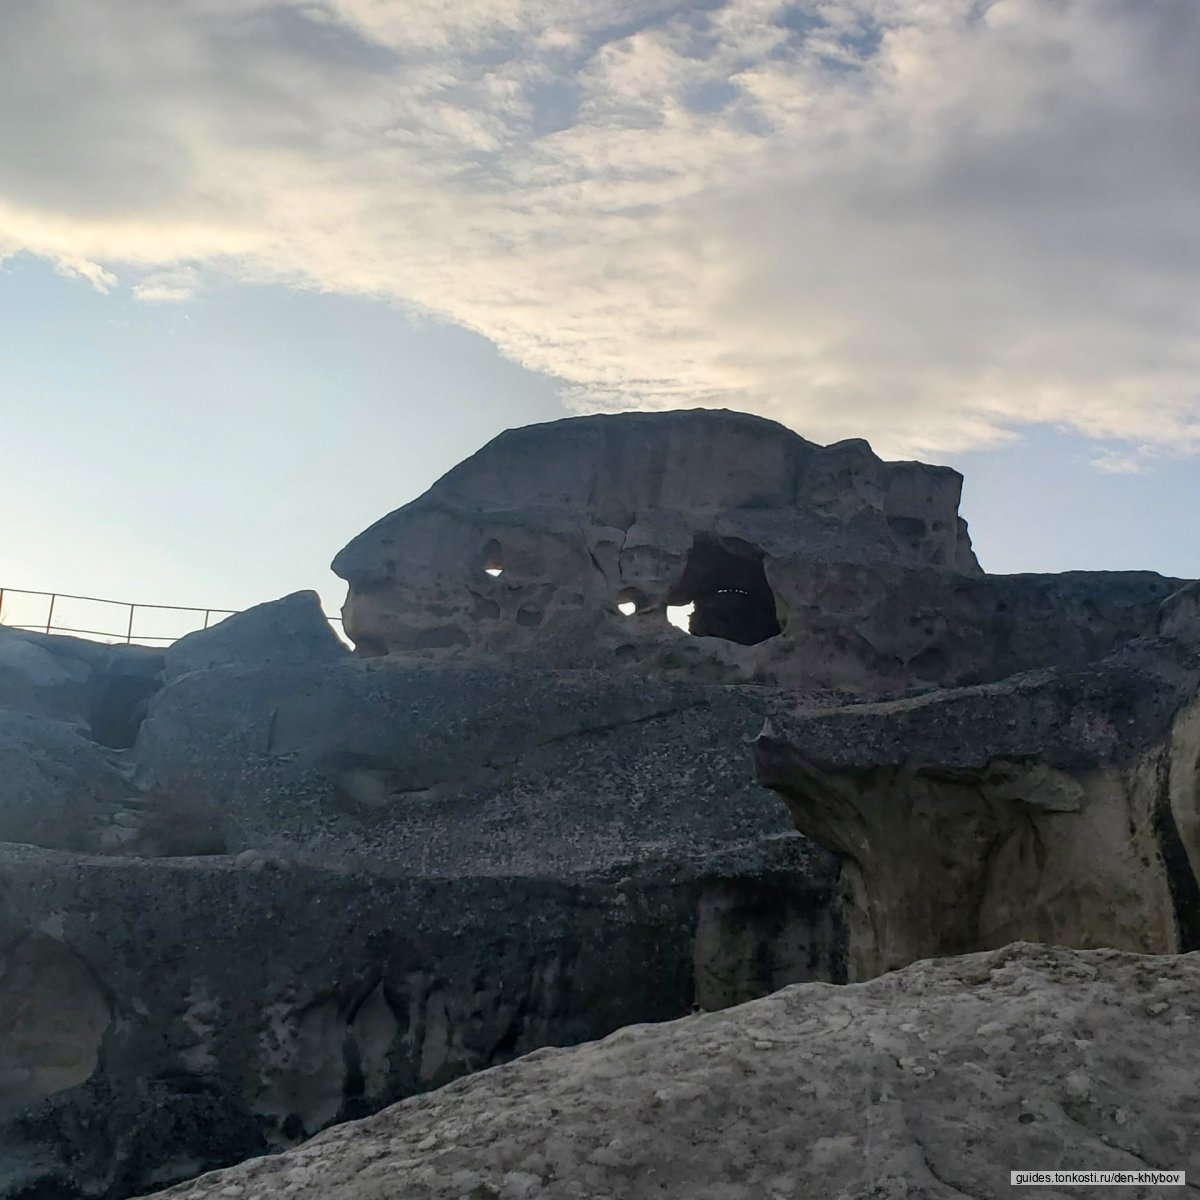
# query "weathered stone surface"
(874, 629)
(1061, 806)
(62, 791)
(248, 1003)
(932, 1082)
(1179, 616)
(520, 817)
(59, 790)
(103, 689)
(290, 630)
(469, 770)
(815, 568)
(418, 872)
(531, 544)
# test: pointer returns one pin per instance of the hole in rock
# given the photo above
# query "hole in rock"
(493, 563)
(724, 582)
(631, 601)
(680, 615)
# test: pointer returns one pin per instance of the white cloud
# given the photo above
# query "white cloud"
(73, 267)
(925, 223)
(172, 286)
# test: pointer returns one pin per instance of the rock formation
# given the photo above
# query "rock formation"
(531, 545)
(276, 884)
(101, 689)
(1060, 805)
(809, 567)
(319, 883)
(935, 1081)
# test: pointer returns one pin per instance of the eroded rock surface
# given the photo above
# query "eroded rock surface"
(404, 767)
(290, 630)
(59, 789)
(53, 1015)
(533, 543)
(102, 689)
(285, 885)
(1057, 805)
(253, 1002)
(410, 872)
(932, 1082)
(811, 567)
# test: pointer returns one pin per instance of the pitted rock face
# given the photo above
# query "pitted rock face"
(572, 539)
(1061, 806)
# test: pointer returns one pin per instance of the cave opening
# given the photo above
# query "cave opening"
(724, 581)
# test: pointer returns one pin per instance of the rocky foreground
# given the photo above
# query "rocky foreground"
(933, 1081)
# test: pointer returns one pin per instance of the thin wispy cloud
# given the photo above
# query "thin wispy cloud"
(172, 286)
(926, 223)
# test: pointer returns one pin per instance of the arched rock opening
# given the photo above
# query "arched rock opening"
(725, 581)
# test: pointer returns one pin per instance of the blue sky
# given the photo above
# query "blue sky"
(270, 267)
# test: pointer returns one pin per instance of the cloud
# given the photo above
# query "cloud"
(172, 286)
(927, 224)
(73, 267)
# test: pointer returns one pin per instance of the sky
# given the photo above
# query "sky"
(269, 267)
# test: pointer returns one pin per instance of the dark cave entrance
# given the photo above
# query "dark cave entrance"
(725, 581)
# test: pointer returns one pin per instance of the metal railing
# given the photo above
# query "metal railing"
(128, 618)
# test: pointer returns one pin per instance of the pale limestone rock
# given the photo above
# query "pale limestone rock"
(1058, 806)
(534, 542)
(933, 1082)
(814, 568)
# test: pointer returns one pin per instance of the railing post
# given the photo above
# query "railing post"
(50, 612)
(207, 612)
(129, 630)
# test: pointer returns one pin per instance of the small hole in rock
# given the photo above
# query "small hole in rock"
(631, 601)
(493, 563)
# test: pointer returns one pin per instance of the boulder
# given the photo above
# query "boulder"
(935, 1081)
(291, 630)
(33, 680)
